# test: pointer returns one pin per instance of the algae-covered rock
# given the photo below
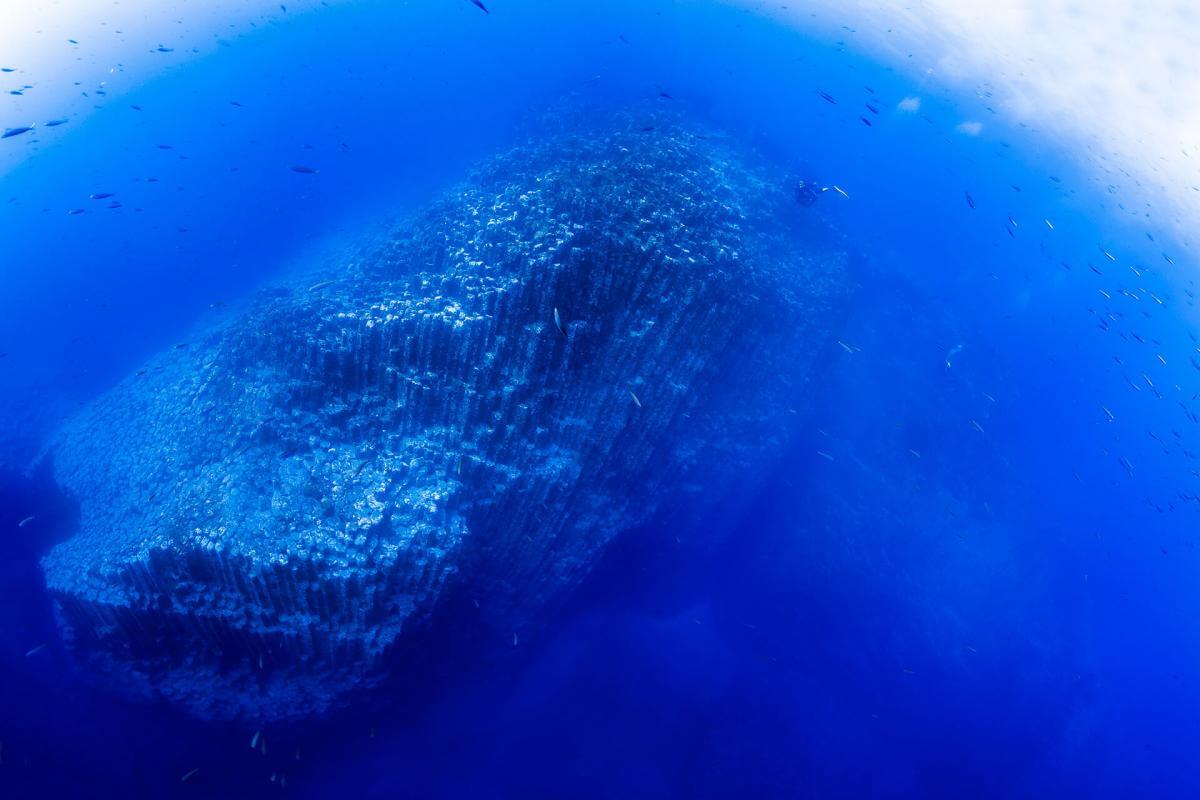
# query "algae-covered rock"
(588, 328)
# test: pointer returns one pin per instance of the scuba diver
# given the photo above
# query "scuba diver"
(806, 192)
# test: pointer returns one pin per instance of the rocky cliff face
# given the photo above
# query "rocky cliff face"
(587, 327)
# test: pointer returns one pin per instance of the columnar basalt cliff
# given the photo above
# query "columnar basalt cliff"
(589, 328)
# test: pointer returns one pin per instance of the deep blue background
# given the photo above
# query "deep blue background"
(939, 611)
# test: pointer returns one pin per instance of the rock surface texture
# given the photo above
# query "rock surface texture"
(266, 511)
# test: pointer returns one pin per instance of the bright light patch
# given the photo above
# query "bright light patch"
(1111, 81)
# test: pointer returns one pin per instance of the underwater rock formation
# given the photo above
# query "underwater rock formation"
(589, 328)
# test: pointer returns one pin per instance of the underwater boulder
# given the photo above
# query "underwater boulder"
(592, 331)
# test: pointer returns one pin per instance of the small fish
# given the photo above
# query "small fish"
(1108, 255)
(825, 455)
(479, 4)
(164, 146)
(978, 427)
(10, 132)
(75, 211)
(161, 49)
(1012, 221)
(636, 402)
(26, 521)
(100, 195)
(841, 191)
(303, 170)
(558, 322)
(828, 98)
(54, 123)
(951, 353)
(37, 649)
(970, 200)
(7, 69)
(514, 639)
(1049, 224)
(191, 773)
(254, 741)
(1109, 414)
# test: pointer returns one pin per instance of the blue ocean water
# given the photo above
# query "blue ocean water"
(972, 575)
